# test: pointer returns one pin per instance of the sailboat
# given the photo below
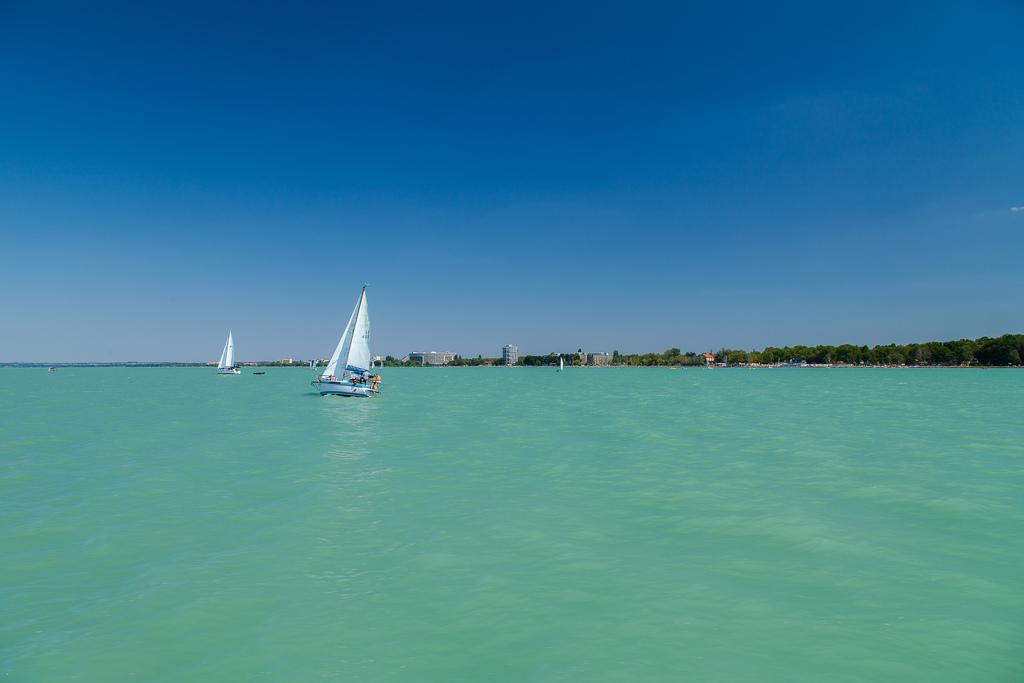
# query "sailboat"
(226, 366)
(561, 364)
(348, 372)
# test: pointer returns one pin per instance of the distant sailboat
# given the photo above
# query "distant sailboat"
(226, 366)
(348, 372)
(561, 364)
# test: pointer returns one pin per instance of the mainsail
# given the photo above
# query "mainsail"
(359, 346)
(227, 356)
(353, 350)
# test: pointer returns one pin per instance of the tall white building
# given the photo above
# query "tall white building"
(510, 354)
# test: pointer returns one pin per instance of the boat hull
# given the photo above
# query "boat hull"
(328, 388)
(228, 371)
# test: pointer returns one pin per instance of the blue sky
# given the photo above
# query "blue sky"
(612, 176)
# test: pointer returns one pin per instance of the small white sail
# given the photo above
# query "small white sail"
(227, 356)
(230, 359)
(561, 364)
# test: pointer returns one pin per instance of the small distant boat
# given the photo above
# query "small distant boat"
(259, 373)
(348, 372)
(52, 369)
(226, 366)
(561, 364)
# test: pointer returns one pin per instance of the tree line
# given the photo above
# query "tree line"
(1006, 350)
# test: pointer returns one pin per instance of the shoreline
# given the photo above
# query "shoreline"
(130, 364)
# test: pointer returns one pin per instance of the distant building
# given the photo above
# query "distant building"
(510, 354)
(709, 358)
(599, 358)
(431, 357)
(286, 361)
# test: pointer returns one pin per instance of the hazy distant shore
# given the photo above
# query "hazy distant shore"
(1004, 351)
(504, 367)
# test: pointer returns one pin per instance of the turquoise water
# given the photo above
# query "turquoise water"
(519, 525)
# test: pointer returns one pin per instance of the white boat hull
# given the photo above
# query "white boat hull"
(339, 388)
(228, 371)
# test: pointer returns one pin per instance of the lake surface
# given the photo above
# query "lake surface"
(513, 524)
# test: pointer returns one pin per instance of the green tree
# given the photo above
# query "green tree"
(736, 357)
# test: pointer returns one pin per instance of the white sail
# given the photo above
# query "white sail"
(357, 355)
(230, 359)
(227, 356)
(561, 363)
(332, 366)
